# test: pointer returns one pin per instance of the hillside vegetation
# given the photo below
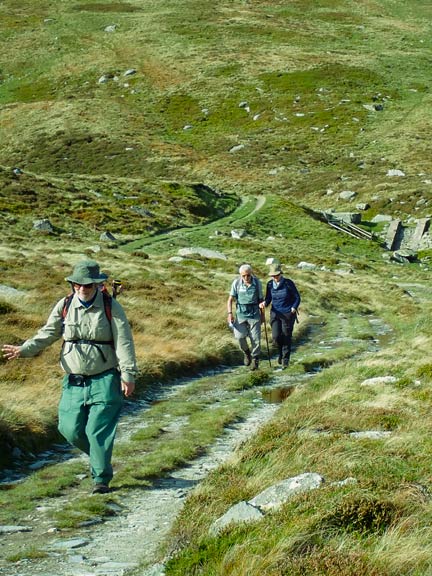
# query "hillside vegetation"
(169, 124)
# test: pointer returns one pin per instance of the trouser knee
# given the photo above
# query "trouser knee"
(74, 436)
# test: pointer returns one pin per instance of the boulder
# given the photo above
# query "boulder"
(43, 225)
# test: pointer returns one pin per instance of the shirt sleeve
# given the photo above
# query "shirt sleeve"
(48, 334)
(123, 343)
(233, 290)
(296, 295)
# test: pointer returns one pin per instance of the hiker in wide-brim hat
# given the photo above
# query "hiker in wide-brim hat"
(98, 358)
(284, 297)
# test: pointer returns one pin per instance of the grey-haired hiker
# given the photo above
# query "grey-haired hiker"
(246, 292)
(98, 357)
(285, 301)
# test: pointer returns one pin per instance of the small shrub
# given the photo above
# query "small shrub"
(27, 554)
(249, 380)
(331, 563)
(6, 308)
(140, 254)
(362, 514)
(404, 382)
(424, 371)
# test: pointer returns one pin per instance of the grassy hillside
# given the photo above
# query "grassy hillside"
(169, 124)
(288, 81)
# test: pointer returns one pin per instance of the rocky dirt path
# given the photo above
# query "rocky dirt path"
(140, 523)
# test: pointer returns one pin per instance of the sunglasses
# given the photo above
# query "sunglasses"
(76, 285)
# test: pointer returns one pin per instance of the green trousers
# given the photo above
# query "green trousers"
(88, 417)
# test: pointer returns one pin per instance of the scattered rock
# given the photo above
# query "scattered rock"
(379, 380)
(306, 266)
(107, 237)
(395, 173)
(43, 225)
(12, 293)
(270, 261)
(281, 492)
(381, 218)
(111, 28)
(236, 148)
(12, 529)
(370, 434)
(69, 544)
(269, 499)
(349, 217)
(404, 256)
(241, 512)
(238, 234)
(105, 78)
(347, 195)
(346, 482)
(362, 206)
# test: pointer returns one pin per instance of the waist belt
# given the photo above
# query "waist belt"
(95, 343)
(83, 380)
(78, 380)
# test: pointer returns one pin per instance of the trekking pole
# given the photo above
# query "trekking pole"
(266, 337)
(116, 288)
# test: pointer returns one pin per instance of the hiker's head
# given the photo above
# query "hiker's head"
(275, 270)
(245, 271)
(85, 278)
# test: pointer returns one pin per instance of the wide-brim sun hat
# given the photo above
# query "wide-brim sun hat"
(87, 272)
(275, 270)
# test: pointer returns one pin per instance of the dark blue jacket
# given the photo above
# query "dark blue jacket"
(284, 297)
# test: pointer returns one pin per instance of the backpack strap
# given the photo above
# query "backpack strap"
(107, 298)
(66, 305)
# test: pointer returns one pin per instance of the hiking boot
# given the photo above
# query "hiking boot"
(285, 364)
(247, 358)
(280, 357)
(100, 489)
(255, 364)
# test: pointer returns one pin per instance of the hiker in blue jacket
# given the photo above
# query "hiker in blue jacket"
(246, 292)
(285, 301)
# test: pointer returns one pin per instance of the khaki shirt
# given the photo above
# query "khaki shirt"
(91, 323)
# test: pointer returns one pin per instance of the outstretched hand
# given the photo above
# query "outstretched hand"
(11, 352)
